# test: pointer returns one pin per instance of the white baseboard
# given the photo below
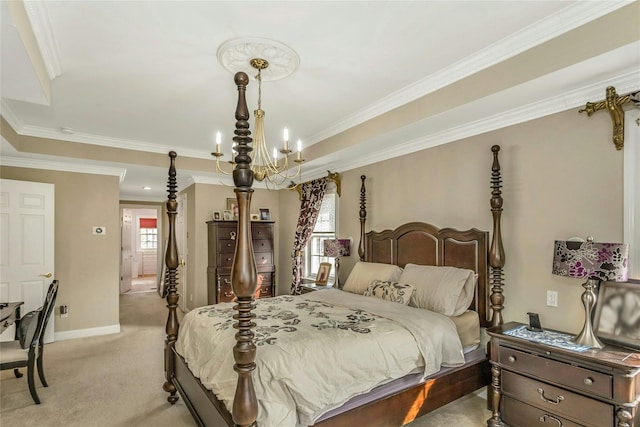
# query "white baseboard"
(88, 332)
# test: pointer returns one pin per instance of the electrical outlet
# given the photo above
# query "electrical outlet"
(190, 297)
(64, 311)
(552, 298)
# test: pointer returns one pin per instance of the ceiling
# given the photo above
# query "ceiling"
(144, 76)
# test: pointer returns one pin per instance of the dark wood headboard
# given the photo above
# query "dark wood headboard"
(424, 244)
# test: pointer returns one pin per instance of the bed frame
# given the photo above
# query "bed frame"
(416, 242)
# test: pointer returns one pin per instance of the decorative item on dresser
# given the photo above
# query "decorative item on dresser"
(556, 384)
(617, 318)
(417, 243)
(595, 262)
(337, 248)
(222, 237)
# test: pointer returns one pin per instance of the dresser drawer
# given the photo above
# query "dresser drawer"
(226, 246)
(225, 293)
(229, 232)
(262, 246)
(264, 291)
(555, 400)
(263, 258)
(518, 414)
(595, 383)
(261, 232)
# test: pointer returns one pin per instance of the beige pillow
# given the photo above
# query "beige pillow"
(390, 291)
(364, 273)
(445, 290)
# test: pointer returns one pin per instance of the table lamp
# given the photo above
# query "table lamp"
(595, 262)
(336, 248)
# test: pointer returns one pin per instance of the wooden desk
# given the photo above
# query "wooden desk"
(9, 314)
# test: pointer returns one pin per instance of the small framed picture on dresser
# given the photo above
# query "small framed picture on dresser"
(265, 215)
(617, 317)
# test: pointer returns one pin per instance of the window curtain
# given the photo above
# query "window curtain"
(312, 195)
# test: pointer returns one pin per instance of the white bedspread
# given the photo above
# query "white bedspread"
(317, 350)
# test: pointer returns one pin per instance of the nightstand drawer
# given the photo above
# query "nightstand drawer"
(555, 400)
(518, 414)
(592, 382)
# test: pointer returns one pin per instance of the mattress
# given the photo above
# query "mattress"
(468, 327)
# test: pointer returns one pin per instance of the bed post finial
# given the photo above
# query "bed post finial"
(496, 252)
(244, 276)
(171, 278)
(363, 217)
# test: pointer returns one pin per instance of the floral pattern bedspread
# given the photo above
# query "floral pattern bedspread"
(316, 351)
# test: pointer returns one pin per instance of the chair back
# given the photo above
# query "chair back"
(45, 313)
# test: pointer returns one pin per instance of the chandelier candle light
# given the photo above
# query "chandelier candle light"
(265, 167)
(595, 262)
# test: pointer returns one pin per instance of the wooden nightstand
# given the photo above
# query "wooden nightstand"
(537, 384)
(310, 287)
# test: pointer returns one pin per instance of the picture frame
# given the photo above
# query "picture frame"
(265, 215)
(255, 217)
(227, 215)
(323, 273)
(232, 205)
(217, 216)
(617, 316)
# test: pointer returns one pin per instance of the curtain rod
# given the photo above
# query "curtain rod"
(331, 176)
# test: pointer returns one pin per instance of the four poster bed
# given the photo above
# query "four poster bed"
(339, 357)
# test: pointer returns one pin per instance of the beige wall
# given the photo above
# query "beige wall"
(87, 266)
(562, 178)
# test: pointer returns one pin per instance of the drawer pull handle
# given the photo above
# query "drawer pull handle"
(232, 235)
(228, 294)
(512, 359)
(555, 401)
(588, 381)
(543, 419)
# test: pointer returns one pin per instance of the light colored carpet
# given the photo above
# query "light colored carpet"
(116, 380)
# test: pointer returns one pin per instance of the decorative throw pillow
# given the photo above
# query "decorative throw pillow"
(365, 272)
(390, 291)
(445, 290)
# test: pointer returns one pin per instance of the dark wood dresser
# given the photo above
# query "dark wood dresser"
(536, 384)
(222, 245)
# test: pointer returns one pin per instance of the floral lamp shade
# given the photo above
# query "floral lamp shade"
(335, 248)
(601, 261)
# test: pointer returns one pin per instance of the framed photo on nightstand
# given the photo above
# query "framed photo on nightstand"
(323, 273)
(617, 317)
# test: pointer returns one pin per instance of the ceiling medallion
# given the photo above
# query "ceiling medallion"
(236, 55)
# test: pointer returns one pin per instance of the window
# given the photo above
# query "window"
(325, 229)
(148, 233)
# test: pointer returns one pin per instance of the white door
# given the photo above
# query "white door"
(126, 254)
(181, 241)
(26, 246)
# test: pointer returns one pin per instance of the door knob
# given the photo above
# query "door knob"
(182, 263)
(47, 275)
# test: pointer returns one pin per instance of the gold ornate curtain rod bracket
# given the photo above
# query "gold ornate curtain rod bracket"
(614, 102)
(331, 176)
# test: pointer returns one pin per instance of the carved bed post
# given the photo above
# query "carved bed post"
(496, 252)
(171, 261)
(363, 217)
(244, 279)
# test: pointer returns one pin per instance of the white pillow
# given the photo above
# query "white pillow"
(364, 273)
(390, 291)
(446, 290)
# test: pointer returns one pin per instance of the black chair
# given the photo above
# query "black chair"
(27, 350)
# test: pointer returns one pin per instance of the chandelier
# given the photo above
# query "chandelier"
(266, 168)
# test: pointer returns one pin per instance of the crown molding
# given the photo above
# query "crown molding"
(10, 116)
(624, 82)
(21, 162)
(214, 179)
(565, 20)
(124, 144)
(43, 32)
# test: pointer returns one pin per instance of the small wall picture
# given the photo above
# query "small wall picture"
(264, 214)
(227, 215)
(617, 318)
(232, 205)
(217, 216)
(323, 273)
(255, 217)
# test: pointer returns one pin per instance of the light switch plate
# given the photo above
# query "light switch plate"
(99, 230)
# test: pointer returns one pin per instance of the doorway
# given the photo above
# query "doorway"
(140, 260)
